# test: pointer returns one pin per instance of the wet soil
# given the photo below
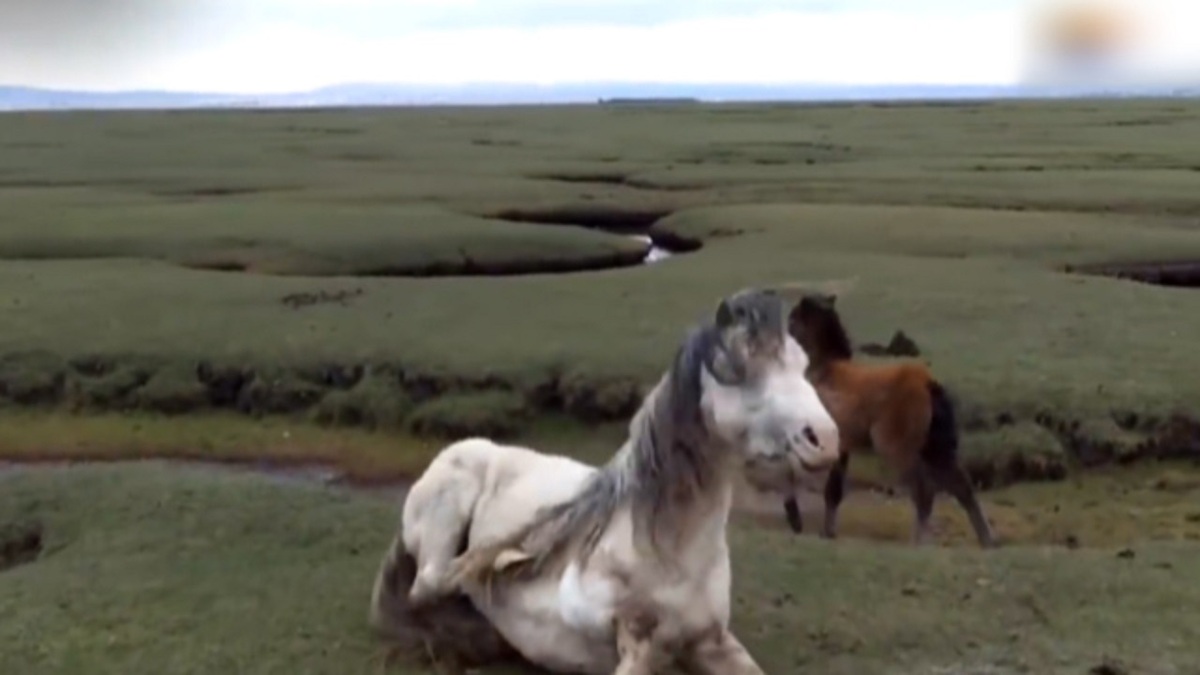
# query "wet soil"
(1178, 274)
(1107, 507)
(20, 544)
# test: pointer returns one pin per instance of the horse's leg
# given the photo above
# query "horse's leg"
(437, 515)
(835, 490)
(636, 657)
(720, 653)
(954, 480)
(792, 509)
(640, 653)
(923, 493)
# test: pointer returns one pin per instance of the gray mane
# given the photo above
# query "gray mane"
(664, 464)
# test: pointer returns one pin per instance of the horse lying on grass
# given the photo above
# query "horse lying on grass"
(899, 409)
(620, 569)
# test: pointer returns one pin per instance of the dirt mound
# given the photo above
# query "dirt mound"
(20, 544)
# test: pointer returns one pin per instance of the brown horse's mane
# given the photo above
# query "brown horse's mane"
(816, 325)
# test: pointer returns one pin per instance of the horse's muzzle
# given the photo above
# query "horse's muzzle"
(813, 468)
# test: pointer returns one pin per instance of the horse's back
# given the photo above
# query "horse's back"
(489, 488)
(883, 404)
(516, 488)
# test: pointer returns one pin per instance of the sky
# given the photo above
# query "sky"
(267, 46)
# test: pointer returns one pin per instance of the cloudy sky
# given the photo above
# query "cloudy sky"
(289, 45)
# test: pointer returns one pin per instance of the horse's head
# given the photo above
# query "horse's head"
(756, 396)
(814, 323)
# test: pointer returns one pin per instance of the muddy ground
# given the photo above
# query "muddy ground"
(1101, 508)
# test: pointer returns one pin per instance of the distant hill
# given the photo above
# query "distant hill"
(32, 98)
(356, 95)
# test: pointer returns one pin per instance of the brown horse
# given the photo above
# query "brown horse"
(900, 410)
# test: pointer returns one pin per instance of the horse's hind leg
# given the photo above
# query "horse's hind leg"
(923, 493)
(720, 653)
(954, 480)
(835, 490)
(437, 515)
(639, 650)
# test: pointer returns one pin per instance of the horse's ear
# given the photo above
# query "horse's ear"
(812, 302)
(797, 309)
(724, 315)
(830, 299)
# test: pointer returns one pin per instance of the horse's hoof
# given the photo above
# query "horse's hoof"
(509, 557)
(420, 596)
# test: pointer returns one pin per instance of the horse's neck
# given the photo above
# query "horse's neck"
(699, 521)
(824, 368)
(710, 514)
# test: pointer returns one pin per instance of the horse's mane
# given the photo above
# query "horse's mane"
(826, 337)
(663, 464)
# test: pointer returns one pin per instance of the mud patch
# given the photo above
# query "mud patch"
(584, 177)
(20, 544)
(218, 266)
(611, 179)
(595, 217)
(343, 298)
(470, 267)
(212, 191)
(282, 470)
(1178, 274)
(1126, 438)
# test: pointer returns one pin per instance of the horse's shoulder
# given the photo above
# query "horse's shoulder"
(858, 378)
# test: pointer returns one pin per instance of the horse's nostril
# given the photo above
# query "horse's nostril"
(811, 436)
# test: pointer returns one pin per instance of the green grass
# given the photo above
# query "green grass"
(358, 455)
(123, 341)
(956, 220)
(152, 569)
(294, 238)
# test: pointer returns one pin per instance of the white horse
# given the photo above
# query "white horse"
(622, 569)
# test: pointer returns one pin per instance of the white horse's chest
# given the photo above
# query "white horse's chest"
(587, 602)
(683, 599)
(695, 597)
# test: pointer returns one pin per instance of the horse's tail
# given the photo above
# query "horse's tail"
(446, 630)
(941, 442)
(389, 611)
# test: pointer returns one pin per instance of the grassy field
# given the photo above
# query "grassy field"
(278, 262)
(172, 571)
(283, 288)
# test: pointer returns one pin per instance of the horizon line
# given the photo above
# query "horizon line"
(532, 85)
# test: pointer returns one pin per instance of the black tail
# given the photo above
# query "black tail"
(941, 444)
